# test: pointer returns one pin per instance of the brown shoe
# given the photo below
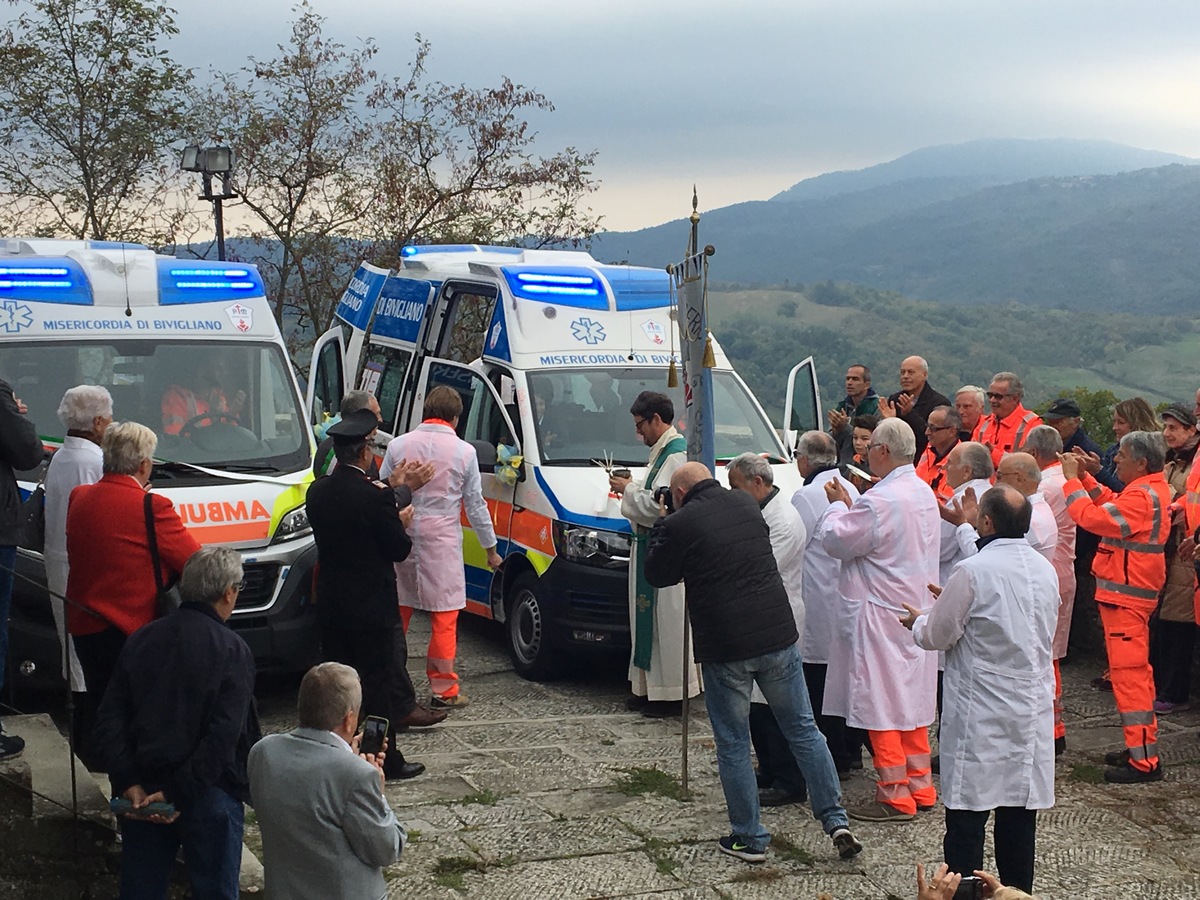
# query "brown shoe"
(421, 717)
(878, 812)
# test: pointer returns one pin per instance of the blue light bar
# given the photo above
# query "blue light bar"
(637, 288)
(204, 282)
(417, 250)
(43, 280)
(573, 286)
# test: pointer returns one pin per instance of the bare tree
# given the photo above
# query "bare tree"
(90, 104)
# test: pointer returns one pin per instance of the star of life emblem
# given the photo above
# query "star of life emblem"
(15, 316)
(241, 316)
(588, 330)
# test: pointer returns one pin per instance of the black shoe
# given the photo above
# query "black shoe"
(1060, 746)
(935, 765)
(633, 702)
(11, 746)
(845, 776)
(846, 844)
(1127, 774)
(1116, 757)
(735, 845)
(402, 771)
(662, 709)
(774, 796)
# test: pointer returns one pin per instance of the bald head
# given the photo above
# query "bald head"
(914, 372)
(1021, 471)
(1004, 512)
(685, 478)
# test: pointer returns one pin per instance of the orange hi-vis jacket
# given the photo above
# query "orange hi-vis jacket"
(1191, 498)
(932, 471)
(1007, 435)
(1130, 564)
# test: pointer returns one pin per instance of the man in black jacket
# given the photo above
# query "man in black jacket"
(718, 544)
(176, 726)
(20, 448)
(360, 534)
(915, 400)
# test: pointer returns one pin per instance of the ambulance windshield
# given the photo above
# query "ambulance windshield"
(221, 405)
(583, 414)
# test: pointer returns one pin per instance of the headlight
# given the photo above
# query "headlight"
(592, 546)
(293, 525)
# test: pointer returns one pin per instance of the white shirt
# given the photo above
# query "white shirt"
(78, 461)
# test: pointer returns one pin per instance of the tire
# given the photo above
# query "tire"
(529, 646)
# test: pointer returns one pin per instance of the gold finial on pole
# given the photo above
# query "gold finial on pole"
(694, 240)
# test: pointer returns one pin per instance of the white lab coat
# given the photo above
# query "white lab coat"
(888, 542)
(822, 601)
(1064, 553)
(664, 679)
(955, 548)
(788, 538)
(78, 461)
(995, 620)
(1042, 534)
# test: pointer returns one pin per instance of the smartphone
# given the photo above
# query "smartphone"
(122, 806)
(374, 732)
(970, 888)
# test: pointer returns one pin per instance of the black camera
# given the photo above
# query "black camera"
(970, 888)
(663, 495)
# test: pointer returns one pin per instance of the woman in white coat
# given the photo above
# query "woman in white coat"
(85, 411)
(995, 618)
(433, 578)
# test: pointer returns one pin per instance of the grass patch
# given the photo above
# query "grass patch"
(414, 834)
(785, 849)
(657, 850)
(607, 742)
(1086, 774)
(482, 798)
(640, 780)
(450, 871)
(758, 875)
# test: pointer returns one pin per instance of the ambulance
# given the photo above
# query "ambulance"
(156, 331)
(548, 349)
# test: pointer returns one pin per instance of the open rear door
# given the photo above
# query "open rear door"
(802, 407)
(326, 376)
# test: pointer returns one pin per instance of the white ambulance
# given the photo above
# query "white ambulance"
(548, 350)
(155, 331)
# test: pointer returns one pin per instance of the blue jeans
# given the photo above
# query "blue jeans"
(8, 561)
(211, 834)
(727, 695)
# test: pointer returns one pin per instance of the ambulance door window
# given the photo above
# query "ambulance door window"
(384, 376)
(506, 388)
(483, 417)
(468, 314)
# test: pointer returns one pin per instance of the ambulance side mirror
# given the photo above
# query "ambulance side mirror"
(486, 451)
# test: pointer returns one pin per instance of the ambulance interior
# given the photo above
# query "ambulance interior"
(224, 404)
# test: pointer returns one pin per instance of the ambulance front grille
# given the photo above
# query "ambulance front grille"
(260, 580)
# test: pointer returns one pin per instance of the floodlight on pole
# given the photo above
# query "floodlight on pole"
(210, 161)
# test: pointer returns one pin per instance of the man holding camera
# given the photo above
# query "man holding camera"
(995, 619)
(719, 545)
(655, 617)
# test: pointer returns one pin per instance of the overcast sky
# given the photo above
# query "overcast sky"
(745, 99)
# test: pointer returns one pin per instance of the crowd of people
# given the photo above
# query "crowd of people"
(928, 570)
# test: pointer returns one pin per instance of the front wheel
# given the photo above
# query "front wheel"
(529, 644)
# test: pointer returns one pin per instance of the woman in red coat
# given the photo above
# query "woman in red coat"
(111, 584)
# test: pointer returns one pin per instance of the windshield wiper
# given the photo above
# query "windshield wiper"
(243, 467)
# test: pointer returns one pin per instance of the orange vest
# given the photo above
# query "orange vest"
(1191, 498)
(1130, 564)
(932, 471)
(1006, 435)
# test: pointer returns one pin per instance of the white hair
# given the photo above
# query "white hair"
(209, 573)
(1043, 443)
(82, 404)
(327, 692)
(897, 435)
(978, 459)
(980, 394)
(818, 447)
(125, 445)
(748, 465)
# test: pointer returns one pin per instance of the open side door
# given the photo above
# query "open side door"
(802, 406)
(326, 376)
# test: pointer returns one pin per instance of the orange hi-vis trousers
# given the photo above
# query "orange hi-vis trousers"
(1127, 639)
(903, 765)
(1060, 730)
(443, 645)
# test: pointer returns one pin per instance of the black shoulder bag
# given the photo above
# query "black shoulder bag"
(167, 598)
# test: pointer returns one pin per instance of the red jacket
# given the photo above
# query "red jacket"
(109, 553)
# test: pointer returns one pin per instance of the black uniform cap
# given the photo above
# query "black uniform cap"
(354, 427)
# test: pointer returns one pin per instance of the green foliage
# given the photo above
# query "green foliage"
(89, 104)
(639, 780)
(1096, 409)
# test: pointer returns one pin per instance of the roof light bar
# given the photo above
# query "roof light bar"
(209, 273)
(38, 271)
(215, 285)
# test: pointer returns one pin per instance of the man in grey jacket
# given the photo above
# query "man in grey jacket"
(327, 829)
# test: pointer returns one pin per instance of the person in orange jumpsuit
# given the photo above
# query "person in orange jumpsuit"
(1005, 429)
(1130, 570)
(941, 430)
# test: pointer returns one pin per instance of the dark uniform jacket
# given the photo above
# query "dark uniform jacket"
(359, 536)
(178, 715)
(927, 401)
(720, 547)
(20, 448)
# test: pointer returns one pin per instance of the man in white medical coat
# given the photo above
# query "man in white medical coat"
(995, 619)
(888, 541)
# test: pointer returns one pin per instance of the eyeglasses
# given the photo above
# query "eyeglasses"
(241, 586)
(876, 446)
(638, 423)
(992, 395)
(929, 427)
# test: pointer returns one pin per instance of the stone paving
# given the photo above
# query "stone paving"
(523, 800)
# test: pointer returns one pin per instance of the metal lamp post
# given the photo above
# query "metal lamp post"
(210, 161)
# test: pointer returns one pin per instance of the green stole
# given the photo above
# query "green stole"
(645, 595)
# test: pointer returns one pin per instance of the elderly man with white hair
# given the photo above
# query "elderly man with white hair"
(780, 779)
(816, 458)
(1044, 444)
(86, 412)
(970, 402)
(888, 541)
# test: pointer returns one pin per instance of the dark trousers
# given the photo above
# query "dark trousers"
(1172, 645)
(210, 832)
(776, 763)
(8, 562)
(98, 654)
(845, 743)
(1015, 831)
(380, 656)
